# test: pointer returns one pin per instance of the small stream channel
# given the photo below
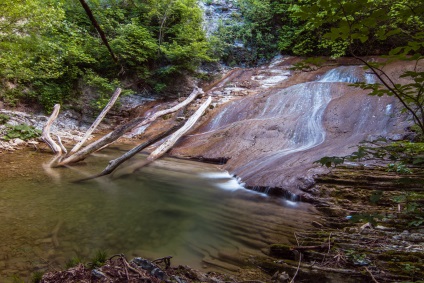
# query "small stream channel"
(189, 210)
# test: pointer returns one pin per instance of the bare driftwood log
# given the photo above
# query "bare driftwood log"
(113, 164)
(119, 131)
(163, 148)
(171, 140)
(98, 120)
(46, 131)
(59, 140)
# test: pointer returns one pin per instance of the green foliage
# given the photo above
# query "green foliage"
(4, 118)
(73, 262)
(366, 217)
(363, 27)
(36, 277)
(309, 64)
(98, 260)
(22, 131)
(412, 207)
(403, 152)
(357, 258)
(410, 268)
(399, 168)
(50, 50)
(376, 196)
(329, 161)
(254, 31)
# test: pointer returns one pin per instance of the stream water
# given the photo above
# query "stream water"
(192, 211)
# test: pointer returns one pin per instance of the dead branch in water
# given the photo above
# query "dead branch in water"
(171, 140)
(119, 131)
(113, 164)
(45, 136)
(98, 120)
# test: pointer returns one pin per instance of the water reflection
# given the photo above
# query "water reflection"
(173, 207)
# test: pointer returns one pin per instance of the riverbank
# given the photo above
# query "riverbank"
(387, 206)
(371, 230)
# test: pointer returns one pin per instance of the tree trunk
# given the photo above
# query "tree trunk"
(98, 120)
(46, 131)
(171, 140)
(113, 164)
(168, 143)
(119, 131)
(98, 28)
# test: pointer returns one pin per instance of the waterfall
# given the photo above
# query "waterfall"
(348, 74)
(216, 12)
(300, 108)
(296, 113)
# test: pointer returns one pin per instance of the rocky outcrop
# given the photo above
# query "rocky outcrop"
(284, 121)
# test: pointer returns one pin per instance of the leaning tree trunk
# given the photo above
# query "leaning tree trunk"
(98, 28)
(113, 164)
(121, 130)
(98, 120)
(171, 140)
(45, 136)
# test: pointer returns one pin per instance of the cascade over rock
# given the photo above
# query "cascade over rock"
(272, 136)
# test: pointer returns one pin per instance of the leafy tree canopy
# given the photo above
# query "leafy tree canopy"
(50, 49)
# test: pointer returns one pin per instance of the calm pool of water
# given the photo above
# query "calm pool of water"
(191, 211)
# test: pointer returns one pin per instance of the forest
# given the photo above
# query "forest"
(50, 50)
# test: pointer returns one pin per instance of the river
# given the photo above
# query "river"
(191, 211)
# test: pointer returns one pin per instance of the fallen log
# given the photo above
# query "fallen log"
(113, 164)
(98, 120)
(171, 140)
(119, 131)
(45, 135)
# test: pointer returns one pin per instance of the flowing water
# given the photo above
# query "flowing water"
(192, 211)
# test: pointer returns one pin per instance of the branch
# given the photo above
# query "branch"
(45, 136)
(393, 89)
(158, 152)
(169, 143)
(98, 120)
(98, 28)
(372, 276)
(113, 164)
(119, 131)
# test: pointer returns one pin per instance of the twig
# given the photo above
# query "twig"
(127, 265)
(126, 269)
(166, 260)
(296, 238)
(298, 267)
(372, 276)
(318, 247)
(329, 248)
(329, 243)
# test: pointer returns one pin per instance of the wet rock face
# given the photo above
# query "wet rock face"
(215, 11)
(272, 135)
